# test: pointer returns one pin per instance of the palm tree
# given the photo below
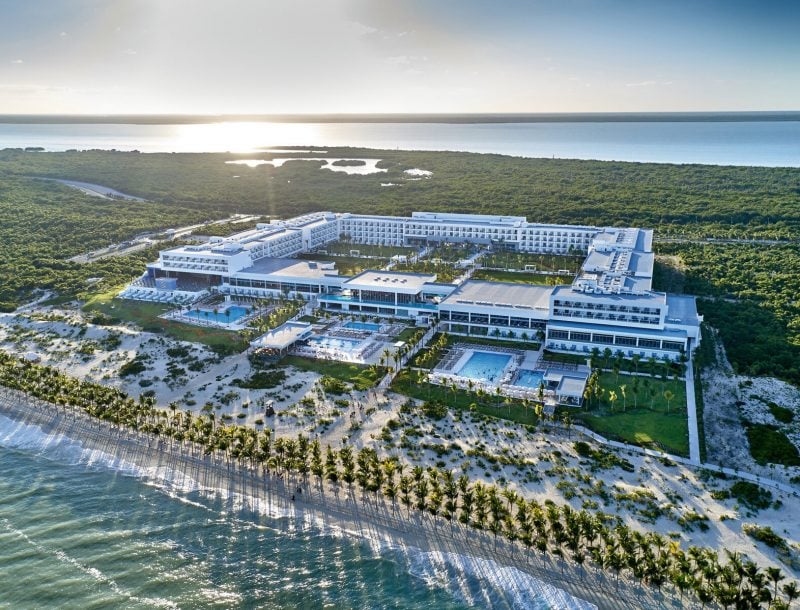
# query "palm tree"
(775, 575)
(668, 396)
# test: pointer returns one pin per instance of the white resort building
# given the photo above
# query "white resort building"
(609, 305)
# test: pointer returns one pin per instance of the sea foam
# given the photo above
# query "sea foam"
(474, 581)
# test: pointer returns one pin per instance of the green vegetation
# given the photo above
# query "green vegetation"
(751, 495)
(543, 262)
(445, 272)
(752, 301)
(782, 414)
(667, 432)
(684, 199)
(513, 277)
(409, 383)
(645, 411)
(361, 376)
(262, 380)
(602, 459)
(145, 315)
(42, 224)
(771, 446)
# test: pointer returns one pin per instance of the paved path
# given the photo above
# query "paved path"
(691, 410)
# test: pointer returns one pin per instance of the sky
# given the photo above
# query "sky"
(398, 56)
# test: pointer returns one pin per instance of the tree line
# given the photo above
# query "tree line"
(589, 541)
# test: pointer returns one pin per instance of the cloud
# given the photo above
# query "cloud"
(17, 61)
(129, 51)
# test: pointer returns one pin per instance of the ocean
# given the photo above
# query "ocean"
(79, 528)
(717, 142)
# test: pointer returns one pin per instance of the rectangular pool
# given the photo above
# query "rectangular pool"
(363, 326)
(529, 379)
(484, 366)
(334, 342)
(226, 316)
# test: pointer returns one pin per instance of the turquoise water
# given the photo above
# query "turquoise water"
(718, 141)
(529, 379)
(363, 326)
(79, 536)
(335, 342)
(235, 311)
(485, 366)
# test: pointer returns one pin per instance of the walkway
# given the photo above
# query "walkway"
(691, 410)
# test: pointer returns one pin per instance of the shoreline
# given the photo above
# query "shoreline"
(330, 508)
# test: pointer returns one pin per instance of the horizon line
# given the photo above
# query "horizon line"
(422, 117)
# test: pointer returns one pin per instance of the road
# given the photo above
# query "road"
(147, 240)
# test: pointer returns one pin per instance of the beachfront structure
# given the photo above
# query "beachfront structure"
(609, 305)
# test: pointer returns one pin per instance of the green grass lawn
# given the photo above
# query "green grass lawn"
(444, 272)
(361, 376)
(653, 429)
(543, 262)
(146, 314)
(647, 419)
(407, 383)
(408, 333)
(512, 277)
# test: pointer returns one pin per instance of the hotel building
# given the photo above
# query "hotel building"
(609, 305)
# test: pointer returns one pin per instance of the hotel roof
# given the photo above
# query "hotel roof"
(289, 267)
(390, 281)
(500, 295)
(282, 337)
(682, 309)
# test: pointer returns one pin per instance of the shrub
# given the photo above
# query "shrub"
(782, 414)
(262, 380)
(434, 409)
(331, 385)
(764, 534)
(768, 445)
(751, 495)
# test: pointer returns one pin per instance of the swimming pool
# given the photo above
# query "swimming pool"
(226, 316)
(363, 326)
(485, 366)
(529, 379)
(334, 342)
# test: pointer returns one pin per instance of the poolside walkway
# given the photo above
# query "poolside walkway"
(691, 410)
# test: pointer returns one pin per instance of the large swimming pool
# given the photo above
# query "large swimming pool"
(484, 366)
(226, 316)
(334, 342)
(363, 326)
(529, 379)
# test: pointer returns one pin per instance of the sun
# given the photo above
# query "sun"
(242, 137)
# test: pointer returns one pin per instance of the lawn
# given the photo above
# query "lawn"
(145, 315)
(543, 262)
(644, 416)
(408, 384)
(361, 376)
(445, 272)
(642, 427)
(516, 277)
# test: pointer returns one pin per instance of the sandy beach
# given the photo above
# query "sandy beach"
(333, 509)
